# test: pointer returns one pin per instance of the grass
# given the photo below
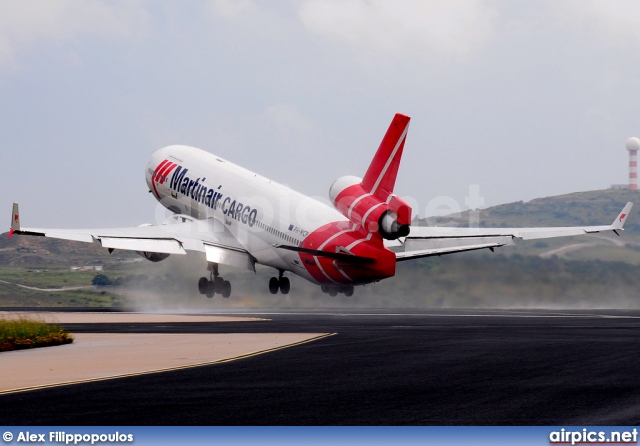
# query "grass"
(50, 277)
(23, 333)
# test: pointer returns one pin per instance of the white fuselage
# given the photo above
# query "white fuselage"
(258, 212)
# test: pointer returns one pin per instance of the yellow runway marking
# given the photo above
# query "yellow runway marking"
(76, 358)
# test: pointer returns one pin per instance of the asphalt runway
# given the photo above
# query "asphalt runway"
(394, 368)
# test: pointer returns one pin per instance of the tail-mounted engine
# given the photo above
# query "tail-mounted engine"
(391, 217)
(370, 201)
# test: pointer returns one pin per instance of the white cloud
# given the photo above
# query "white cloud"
(25, 23)
(403, 27)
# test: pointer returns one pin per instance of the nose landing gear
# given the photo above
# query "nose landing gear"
(215, 284)
(279, 283)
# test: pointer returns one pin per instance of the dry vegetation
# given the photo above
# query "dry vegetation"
(22, 333)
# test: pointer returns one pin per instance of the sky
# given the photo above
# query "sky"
(509, 100)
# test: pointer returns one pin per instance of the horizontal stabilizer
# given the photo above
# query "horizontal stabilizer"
(441, 251)
(419, 244)
(342, 257)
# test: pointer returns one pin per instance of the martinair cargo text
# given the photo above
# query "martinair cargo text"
(239, 218)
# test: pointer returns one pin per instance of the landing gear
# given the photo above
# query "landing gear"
(274, 285)
(280, 283)
(333, 291)
(285, 285)
(216, 284)
(202, 285)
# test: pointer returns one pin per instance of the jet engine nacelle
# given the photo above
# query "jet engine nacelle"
(390, 217)
(153, 256)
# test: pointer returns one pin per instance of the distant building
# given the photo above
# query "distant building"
(633, 146)
(86, 268)
(619, 186)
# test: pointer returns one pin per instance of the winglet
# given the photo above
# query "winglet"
(618, 223)
(15, 220)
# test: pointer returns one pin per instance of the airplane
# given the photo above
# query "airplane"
(238, 218)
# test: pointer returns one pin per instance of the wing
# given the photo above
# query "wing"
(430, 241)
(178, 236)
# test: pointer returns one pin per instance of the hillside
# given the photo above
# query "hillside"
(35, 272)
(575, 209)
(41, 251)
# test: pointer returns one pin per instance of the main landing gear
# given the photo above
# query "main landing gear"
(216, 284)
(279, 283)
(333, 291)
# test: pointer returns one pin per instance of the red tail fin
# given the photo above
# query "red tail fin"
(381, 175)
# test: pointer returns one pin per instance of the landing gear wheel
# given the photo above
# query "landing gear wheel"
(214, 285)
(333, 292)
(349, 292)
(274, 285)
(225, 289)
(285, 285)
(217, 285)
(211, 289)
(202, 285)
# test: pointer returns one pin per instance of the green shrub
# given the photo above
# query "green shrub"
(22, 333)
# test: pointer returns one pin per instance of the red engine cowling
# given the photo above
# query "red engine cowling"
(383, 212)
